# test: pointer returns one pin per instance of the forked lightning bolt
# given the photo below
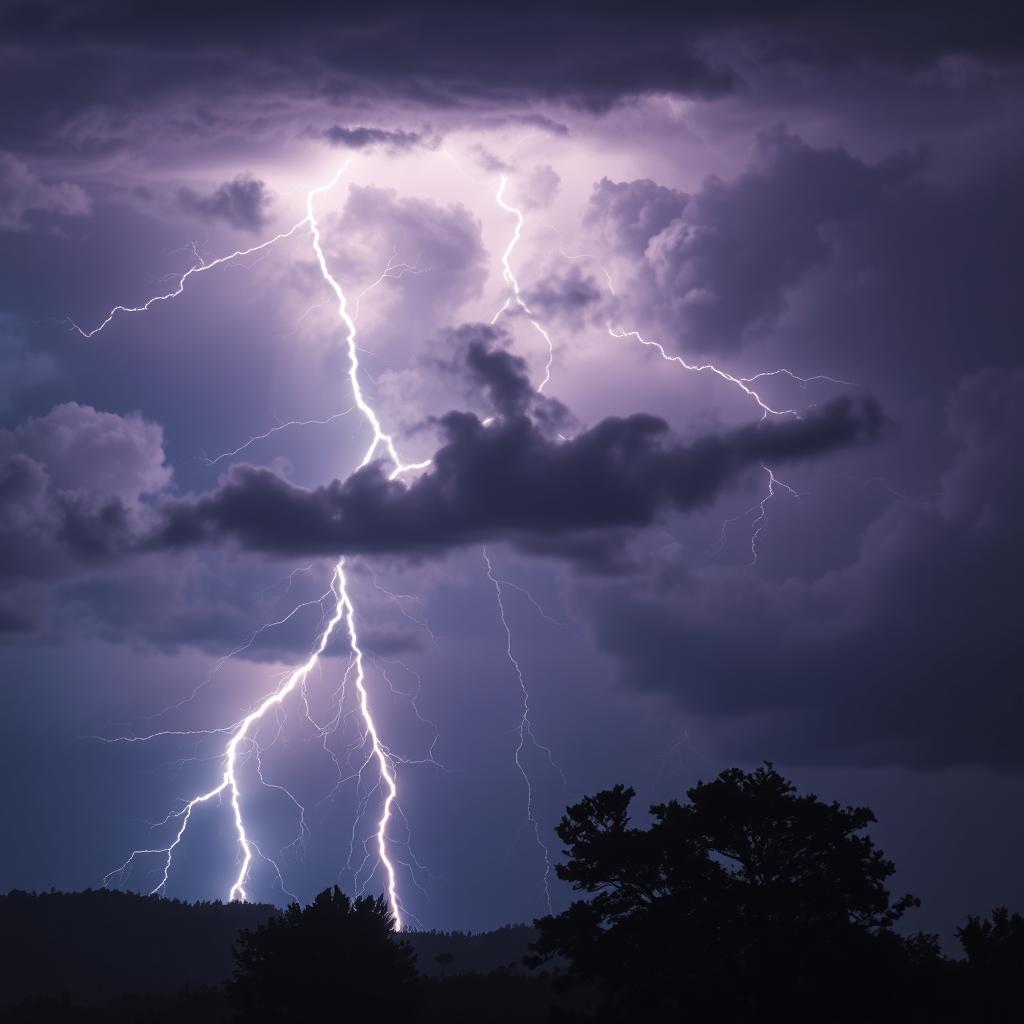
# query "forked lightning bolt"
(344, 611)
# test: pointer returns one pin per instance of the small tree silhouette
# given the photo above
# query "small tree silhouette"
(994, 966)
(747, 901)
(335, 954)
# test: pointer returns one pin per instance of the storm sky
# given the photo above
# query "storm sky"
(691, 581)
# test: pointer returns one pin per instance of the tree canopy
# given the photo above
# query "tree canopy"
(335, 955)
(745, 899)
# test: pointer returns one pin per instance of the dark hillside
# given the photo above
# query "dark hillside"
(99, 945)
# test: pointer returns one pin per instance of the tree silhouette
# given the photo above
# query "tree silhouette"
(994, 951)
(748, 900)
(335, 955)
(444, 960)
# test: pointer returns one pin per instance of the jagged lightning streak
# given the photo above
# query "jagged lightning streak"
(387, 770)
(758, 524)
(516, 298)
(275, 430)
(761, 507)
(525, 730)
(380, 439)
(343, 611)
(741, 383)
(196, 268)
(744, 385)
(229, 780)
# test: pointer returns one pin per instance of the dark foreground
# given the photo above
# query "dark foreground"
(745, 902)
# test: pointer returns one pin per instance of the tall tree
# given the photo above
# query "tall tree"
(747, 899)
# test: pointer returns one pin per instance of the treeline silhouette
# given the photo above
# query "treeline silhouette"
(745, 902)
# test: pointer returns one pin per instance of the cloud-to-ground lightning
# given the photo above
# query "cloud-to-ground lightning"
(241, 736)
(524, 731)
(516, 296)
(387, 769)
(241, 732)
(344, 610)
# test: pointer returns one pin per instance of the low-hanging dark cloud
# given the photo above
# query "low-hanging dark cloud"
(507, 481)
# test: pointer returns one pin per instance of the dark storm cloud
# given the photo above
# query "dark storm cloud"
(718, 264)
(910, 654)
(77, 488)
(241, 202)
(443, 56)
(923, 284)
(365, 138)
(69, 67)
(504, 481)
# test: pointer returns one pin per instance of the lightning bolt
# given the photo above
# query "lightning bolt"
(274, 430)
(201, 266)
(516, 296)
(229, 780)
(744, 385)
(243, 733)
(525, 731)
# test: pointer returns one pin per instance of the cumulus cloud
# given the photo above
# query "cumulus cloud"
(715, 266)
(241, 202)
(72, 487)
(24, 195)
(907, 655)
